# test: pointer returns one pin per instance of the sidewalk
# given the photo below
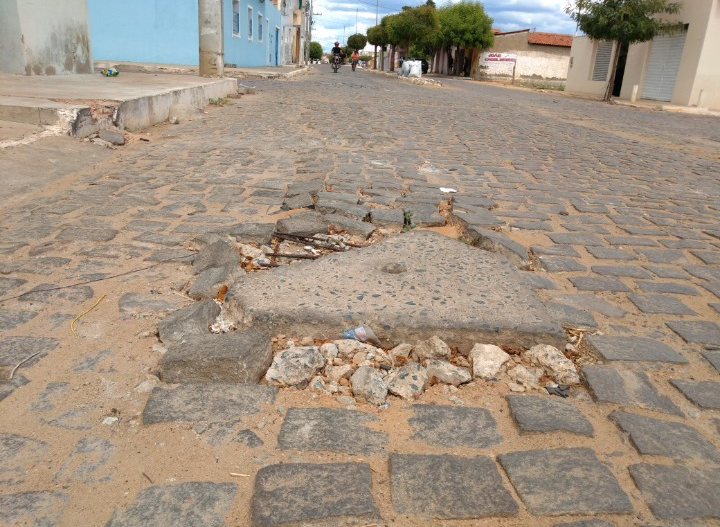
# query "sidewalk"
(84, 104)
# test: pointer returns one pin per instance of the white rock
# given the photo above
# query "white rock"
(359, 358)
(295, 365)
(109, 421)
(401, 350)
(367, 384)
(318, 384)
(335, 373)
(146, 386)
(345, 400)
(528, 377)
(558, 366)
(456, 400)
(408, 382)
(515, 387)
(433, 348)
(446, 372)
(487, 360)
(329, 351)
(250, 251)
(348, 347)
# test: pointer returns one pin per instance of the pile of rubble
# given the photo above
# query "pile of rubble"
(351, 368)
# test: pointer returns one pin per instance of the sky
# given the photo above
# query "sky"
(338, 18)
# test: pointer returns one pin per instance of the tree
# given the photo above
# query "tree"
(467, 25)
(357, 41)
(316, 51)
(413, 25)
(377, 36)
(622, 22)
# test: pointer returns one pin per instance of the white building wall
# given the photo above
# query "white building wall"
(42, 37)
(530, 64)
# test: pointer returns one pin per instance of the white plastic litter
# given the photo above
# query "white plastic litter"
(447, 190)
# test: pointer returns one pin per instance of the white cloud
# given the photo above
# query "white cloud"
(338, 18)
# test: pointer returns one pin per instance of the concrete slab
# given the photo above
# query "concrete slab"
(407, 288)
(81, 102)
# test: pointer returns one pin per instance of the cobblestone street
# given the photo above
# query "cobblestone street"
(610, 214)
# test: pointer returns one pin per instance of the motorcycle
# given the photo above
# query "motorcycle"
(336, 63)
(354, 64)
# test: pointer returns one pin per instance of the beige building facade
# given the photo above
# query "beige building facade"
(44, 37)
(680, 69)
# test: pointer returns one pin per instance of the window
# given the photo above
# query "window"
(236, 18)
(603, 51)
(250, 23)
(260, 28)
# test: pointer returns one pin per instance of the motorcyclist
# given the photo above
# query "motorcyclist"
(336, 50)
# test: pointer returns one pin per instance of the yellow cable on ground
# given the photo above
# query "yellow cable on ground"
(72, 324)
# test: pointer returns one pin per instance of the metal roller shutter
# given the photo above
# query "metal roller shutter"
(662, 67)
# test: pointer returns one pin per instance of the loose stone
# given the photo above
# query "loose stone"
(447, 373)
(368, 384)
(295, 366)
(487, 360)
(559, 367)
(408, 382)
(528, 377)
(433, 348)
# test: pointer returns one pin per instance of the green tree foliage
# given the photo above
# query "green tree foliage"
(357, 41)
(465, 24)
(413, 25)
(316, 51)
(622, 21)
(377, 35)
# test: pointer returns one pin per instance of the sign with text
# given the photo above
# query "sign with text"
(497, 57)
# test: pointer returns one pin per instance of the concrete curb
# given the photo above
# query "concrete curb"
(422, 81)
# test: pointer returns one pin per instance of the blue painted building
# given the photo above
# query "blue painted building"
(166, 31)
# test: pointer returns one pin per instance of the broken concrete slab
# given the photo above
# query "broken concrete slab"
(330, 429)
(633, 349)
(349, 225)
(260, 233)
(194, 319)
(303, 224)
(407, 288)
(239, 356)
(191, 504)
(209, 403)
(329, 494)
(218, 254)
(541, 478)
(209, 282)
(448, 487)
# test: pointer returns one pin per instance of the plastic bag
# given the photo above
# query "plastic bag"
(363, 334)
(415, 68)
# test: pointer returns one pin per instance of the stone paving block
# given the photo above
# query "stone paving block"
(349, 225)
(665, 438)
(667, 272)
(584, 228)
(571, 316)
(479, 218)
(706, 272)
(586, 523)
(679, 492)
(713, 287)
(448, 487)
(18, 455)
(560, 265)
(241, 356)
(633, 349)
(138, 303)
(497, 242)
(15, 349)
(303, 224)
(78, 234)
(191, 504)
(173, 255)
(330, 494)
(431, 285)
(209, 403)
(260, 233)
(52, 292)
(147, 226)
(709, 257)
(592, 303)
(300, 201)
(210, 281)
(556, 250)
(543, 414)
(387, 218)
(664, 256)
(34, 508)
(345, 197)
(705, 394)
(621, 270)
(599, 283)
(535, 281)
(631, 241)
(160, 239)
(697, 331)
(668, 305)
(626, 388)
(12, 319)
(609, 253)
(575, 238)
(667, 287)
(301, 187)
(330, 429)
(216, 254)
(713, 358)
(8, 284)
(454, 426)
(683, 244)
(86, 462)
(716, 307)
(358, 212)
(194, 319)
(564, 481)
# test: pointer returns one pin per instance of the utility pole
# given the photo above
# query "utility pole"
(377, 5)
(356, 13)
(210, 31)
